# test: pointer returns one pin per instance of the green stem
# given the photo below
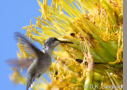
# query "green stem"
(89, 75)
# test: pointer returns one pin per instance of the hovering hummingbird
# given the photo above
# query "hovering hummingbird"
(39, 65)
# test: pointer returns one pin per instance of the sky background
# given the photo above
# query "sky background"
(14, 14)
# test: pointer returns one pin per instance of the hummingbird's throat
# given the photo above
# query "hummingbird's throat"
(48, 50)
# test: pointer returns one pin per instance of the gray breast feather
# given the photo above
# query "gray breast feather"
(43, 64)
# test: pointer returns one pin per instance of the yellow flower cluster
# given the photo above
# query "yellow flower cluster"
(96, 29)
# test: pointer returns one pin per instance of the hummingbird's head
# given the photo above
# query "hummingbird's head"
(53, 42)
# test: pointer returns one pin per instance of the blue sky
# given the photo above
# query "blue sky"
(14, 14)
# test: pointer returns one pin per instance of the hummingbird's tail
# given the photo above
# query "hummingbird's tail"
(30, 80)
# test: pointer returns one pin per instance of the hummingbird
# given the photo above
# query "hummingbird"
(39, 65)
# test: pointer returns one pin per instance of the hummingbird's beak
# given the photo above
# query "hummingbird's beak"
(66, 42)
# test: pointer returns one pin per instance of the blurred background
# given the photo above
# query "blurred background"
(14, 14)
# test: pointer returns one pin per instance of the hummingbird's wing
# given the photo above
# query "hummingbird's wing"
(23, 62)
(38, 52)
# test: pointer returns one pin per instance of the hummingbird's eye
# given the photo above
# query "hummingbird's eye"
(55, 39)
